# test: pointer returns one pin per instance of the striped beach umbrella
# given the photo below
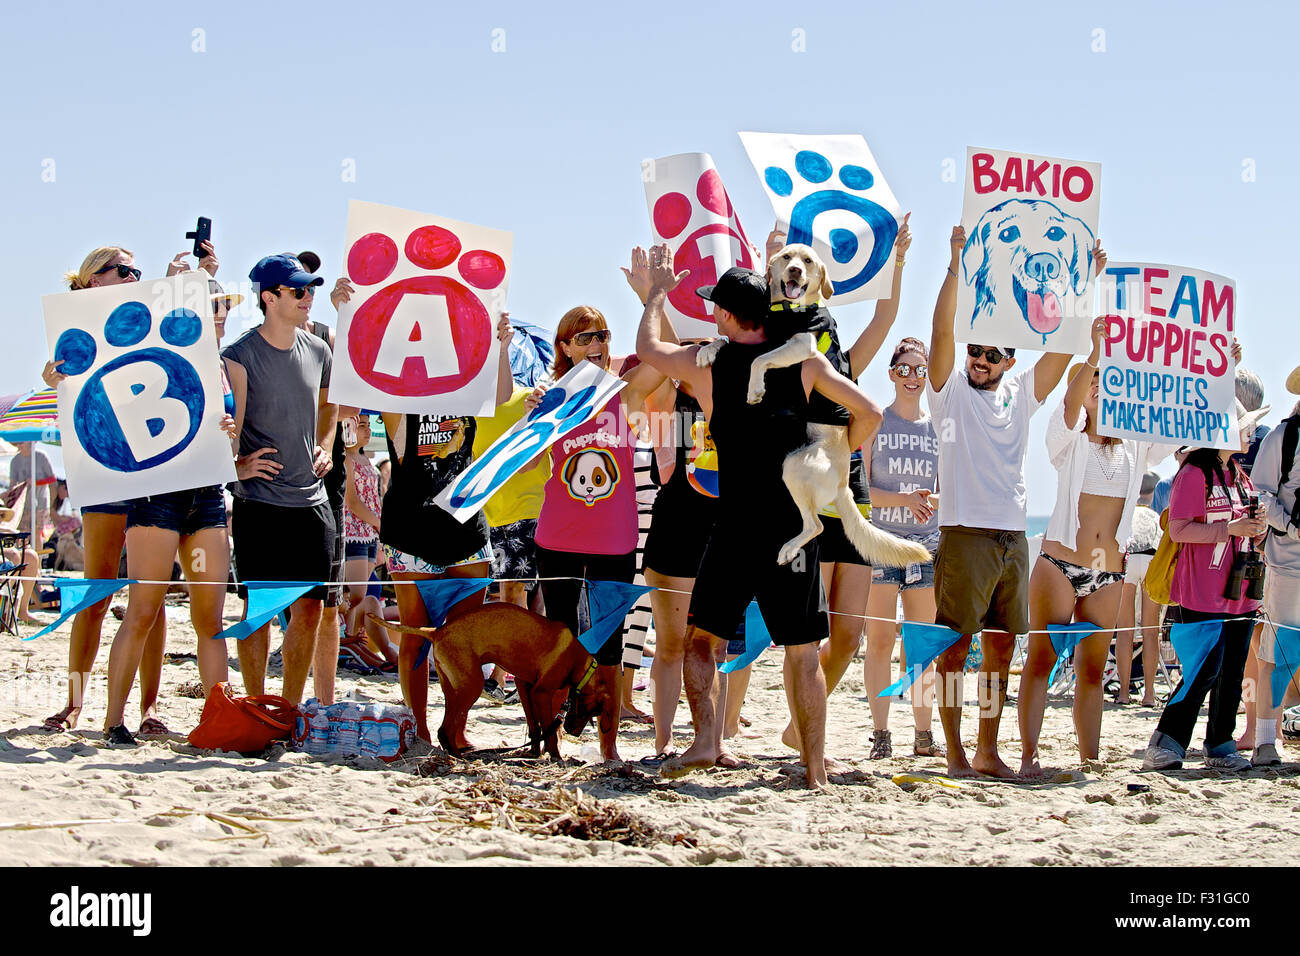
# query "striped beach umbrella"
(30, 416)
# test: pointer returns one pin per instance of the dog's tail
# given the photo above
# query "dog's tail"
(428, 633)
(879, 547)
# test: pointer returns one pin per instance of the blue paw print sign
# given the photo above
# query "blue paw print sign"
(574, 399)
(141, 407)
(829, 193)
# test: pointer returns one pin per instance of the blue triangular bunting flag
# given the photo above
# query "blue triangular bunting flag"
(266, 599)
(441, 595)
(1192, 643)
(922, 643)
(1065, 638)
(757, 640)
(608, 603)
(77, 595)
(1286, 658)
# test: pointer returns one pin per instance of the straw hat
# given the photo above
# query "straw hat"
(1293, 381)
(1076, 368)
(216, 292)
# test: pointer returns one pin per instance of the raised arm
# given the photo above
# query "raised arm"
(1076, 393)
(873, 336)
(651, 347)
(505, 377)
(943, 342)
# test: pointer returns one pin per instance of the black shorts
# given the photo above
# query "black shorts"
(338, 562)
(514, 550)
(835, 546)
(740, 566)
(680, 526)
(275, 543)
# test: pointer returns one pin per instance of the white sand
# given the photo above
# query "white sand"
(151, 805)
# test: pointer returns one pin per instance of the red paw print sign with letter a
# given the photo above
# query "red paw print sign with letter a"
(419, 333)
(691, 211)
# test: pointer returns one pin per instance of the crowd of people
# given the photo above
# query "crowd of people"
(941, 465)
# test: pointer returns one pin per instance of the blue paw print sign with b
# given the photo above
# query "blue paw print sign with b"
(830, 194)
(140, 409)
(574, 399)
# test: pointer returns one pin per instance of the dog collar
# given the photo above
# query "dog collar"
(791, 307)
(591, 669)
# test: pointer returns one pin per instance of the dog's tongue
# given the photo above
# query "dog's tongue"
(1044, 312)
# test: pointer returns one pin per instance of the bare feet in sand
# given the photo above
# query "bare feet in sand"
(1246, 742)
(696, 757)
(1030, 768)
(991, 765)
(790, 736)
(836, 766)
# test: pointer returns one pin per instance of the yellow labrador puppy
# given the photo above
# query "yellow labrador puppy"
(817, 475)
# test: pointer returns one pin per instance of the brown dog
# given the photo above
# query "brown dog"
(548, 663)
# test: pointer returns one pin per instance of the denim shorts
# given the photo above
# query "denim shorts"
(184, 512)
(362, 549)
(109, 508)
(912, 576)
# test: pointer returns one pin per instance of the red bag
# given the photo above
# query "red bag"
(246, 725)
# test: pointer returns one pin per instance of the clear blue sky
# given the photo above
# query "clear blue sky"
(545, 138)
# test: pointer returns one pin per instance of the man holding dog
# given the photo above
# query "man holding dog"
(981, 571)
(756, 514)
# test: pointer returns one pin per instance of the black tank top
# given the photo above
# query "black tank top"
(782, 323)
(754, 440)
(435, 450)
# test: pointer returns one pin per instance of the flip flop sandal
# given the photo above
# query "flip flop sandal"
(636, 719)
(59, 723)
(656, 760)
(153, 727)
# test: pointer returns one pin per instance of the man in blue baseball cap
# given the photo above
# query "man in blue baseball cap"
(282, 523)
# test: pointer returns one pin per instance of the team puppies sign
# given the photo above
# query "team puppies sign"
(574, 399)
(140, 410)
(1167, 372)
(1027, 266)
(691, 211)
(418, 334)
(828, 193)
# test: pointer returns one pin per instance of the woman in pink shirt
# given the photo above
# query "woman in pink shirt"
(587, 529)
(1214, 514)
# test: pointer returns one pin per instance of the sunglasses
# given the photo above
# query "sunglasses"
(991, 355)
(586, 338)
(297, 293)
(122, 271)
(904, 370)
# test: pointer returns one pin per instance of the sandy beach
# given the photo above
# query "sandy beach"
(71, 800)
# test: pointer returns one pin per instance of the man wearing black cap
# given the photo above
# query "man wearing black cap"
(755, 512)
(282, 524)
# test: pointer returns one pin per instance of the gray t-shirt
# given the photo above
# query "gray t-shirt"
(280, 412)
(905, 457)
(20, 469)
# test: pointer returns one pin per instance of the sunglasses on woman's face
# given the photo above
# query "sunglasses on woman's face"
(586, 338)
(299, 293)
(122, 271)
(991, 355)
(904, 370)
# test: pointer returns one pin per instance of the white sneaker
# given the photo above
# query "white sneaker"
(1161, 758)
(1233, 761)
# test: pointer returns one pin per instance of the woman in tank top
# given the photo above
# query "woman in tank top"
(421, 540)
(1079, 574)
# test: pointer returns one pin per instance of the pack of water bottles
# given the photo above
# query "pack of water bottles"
(351, 728)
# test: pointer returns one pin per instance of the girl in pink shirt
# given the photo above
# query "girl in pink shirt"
(587, 529)
(1210, 515)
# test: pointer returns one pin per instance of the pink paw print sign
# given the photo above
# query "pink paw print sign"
(419, 333)
(691, 211)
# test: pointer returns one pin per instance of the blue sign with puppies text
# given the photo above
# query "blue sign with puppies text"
(574, 399)
(1167, 373)
(140, 410)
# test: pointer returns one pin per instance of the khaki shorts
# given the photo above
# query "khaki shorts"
(1282, 605)
(981, 580)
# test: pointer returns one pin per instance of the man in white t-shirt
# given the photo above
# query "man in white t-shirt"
(981, 571)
